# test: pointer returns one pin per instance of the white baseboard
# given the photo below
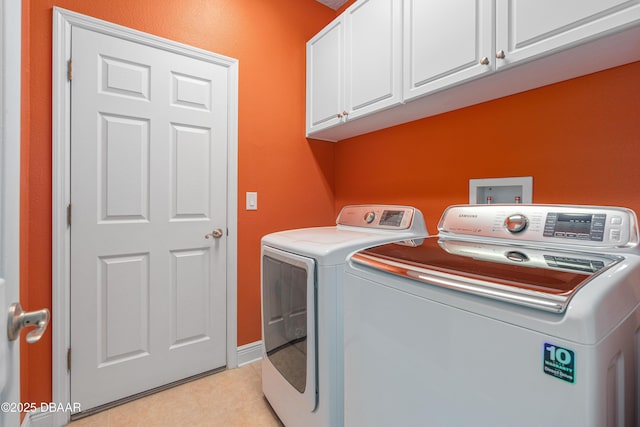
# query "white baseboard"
(39, 419)
(246, 354)
(250, 353)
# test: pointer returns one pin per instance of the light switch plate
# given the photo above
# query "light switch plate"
(252, 201)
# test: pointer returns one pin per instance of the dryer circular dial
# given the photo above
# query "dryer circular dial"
(369, 217)
(516, 223)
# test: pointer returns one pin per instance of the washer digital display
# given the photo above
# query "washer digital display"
(575, 226)
(574, 223)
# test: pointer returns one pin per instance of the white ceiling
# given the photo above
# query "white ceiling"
(333, 4)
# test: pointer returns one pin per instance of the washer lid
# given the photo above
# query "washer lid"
(533, 277)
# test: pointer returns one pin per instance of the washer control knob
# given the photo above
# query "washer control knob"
(369, 217)
(516, 223)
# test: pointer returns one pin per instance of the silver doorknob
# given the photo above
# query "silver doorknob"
(484, 61)
(500, 54)
(217, 233)
(19, 319)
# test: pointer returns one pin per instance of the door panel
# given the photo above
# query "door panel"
(444, 43)
(537, 20)
(191, 186)
(373, 64)
(325, 70)
(124, 168)
(190, 91)
(148, 182)
(124, 296)
(124, 78)
(190, 302)
(527, 29)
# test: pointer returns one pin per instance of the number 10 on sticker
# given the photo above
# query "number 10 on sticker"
(559, 354)
(559, 362)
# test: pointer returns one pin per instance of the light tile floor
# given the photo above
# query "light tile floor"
(231, 398)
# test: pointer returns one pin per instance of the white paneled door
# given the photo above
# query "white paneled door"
(149, 131)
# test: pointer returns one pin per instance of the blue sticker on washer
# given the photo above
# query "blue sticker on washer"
(559, 362)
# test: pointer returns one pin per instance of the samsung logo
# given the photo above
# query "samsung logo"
(467, 216)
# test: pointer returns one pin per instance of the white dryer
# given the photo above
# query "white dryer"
(514, 315)
(302, 273)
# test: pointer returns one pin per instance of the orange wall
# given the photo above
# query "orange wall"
(293, 177)
(579, 139)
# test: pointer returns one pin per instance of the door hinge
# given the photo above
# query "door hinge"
(69, 215)
(70, 69)
(69, 359)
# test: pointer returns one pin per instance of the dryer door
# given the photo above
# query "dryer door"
(288, 313)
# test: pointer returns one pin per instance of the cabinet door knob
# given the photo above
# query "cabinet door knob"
(344, 113)
(500, 54)
(484, 61)
(339, 115)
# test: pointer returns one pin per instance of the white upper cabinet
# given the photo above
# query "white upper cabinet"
(386, 62)
(354, 64)
(446, 43)
(526, 29)
(325, 77)
(373, 53)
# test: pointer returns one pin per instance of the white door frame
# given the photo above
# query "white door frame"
(63, 21)
(10, 105)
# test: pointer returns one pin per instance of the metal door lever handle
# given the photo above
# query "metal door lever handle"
(217, 233)
(19, 319)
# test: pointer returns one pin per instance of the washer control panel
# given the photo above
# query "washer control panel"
(569, 225)
(377, 216)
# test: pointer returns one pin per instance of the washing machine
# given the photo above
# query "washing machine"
(302, 273)
(513, 315)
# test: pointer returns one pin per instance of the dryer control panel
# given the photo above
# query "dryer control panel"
(387, 217)
(594, 226)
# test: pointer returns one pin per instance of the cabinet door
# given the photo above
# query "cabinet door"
(445, 43)
(373, 49)
(526, 28)
(325, 70)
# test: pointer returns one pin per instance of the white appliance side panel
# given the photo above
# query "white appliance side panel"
(330, 346)
(410, 361)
